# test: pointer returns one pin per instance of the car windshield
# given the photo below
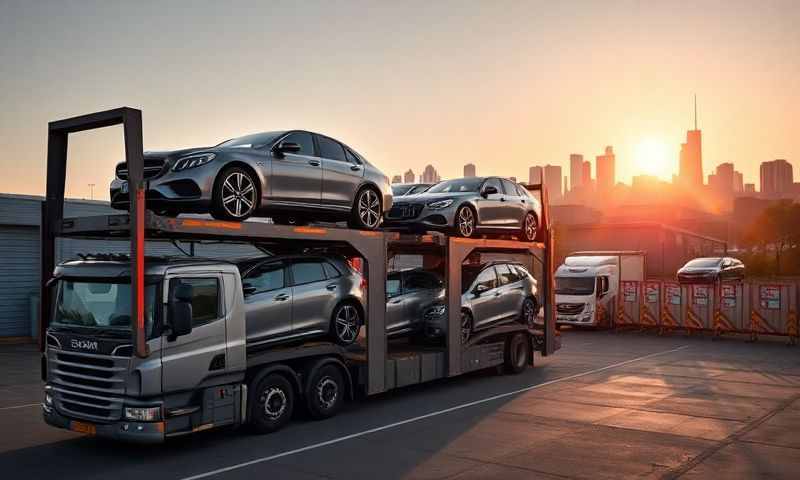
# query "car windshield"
(704, 262)
(95, 306)
(398, 190)
(251, 141)
(575, 285)
(457, 185)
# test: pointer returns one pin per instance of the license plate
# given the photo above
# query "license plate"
(124, 187)
(82, 427)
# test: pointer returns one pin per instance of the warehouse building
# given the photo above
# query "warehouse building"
(19, 256)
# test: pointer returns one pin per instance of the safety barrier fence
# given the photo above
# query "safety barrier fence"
(752, 307)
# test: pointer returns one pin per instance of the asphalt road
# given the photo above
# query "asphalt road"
(605, 406)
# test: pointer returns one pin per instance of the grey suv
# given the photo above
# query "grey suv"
(291, 298)
(491, 294)
(292, 176)
(467, 206)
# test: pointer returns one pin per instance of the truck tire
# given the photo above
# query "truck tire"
(272, 405)
(517, 353)
(325, 392)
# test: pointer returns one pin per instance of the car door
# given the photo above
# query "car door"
(296, 178)
(490, 207)
(395, 303)
(485, 310)
(186, 361)
(514, 205)
(342, 172)
(268, 302)
(313, 297)
(512, 291)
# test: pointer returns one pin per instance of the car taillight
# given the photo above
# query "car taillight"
(363, 284)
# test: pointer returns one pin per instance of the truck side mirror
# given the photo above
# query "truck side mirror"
(180, 311)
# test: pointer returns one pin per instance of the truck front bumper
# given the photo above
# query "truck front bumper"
(587, 319)
(127, 431)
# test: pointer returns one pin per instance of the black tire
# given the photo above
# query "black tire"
(325, 393)
(530, 227)
(272, 404)
(517, 353)
(465, 221)
(467, 326)
(235, 190)
(527, 316)
(367, 210)
(346, 322)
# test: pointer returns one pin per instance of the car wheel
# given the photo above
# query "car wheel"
(345, 324)
(516, 353)
(466, 326)
(530, 227)
(325, 392)
(528, 314)
(367, 210)
(273, 404)
(235, 195)
(465, 221)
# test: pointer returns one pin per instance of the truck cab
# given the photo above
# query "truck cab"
(585, 289)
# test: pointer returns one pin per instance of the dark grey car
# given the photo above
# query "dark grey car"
(466, 206)
(409, 294)
(291, 298)
(292, 176)
(711, 269)
(492, 294)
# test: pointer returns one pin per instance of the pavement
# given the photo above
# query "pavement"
(607, 405)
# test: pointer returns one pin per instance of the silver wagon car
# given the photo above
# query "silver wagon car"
(466, 206)
(292, 176)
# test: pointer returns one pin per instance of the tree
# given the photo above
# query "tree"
(777, 229)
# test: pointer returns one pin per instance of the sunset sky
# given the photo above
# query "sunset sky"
(504, 85)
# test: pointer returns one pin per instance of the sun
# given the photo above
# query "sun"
(652, 157)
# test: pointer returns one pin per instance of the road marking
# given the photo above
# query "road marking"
(423, 417)
(21, 406)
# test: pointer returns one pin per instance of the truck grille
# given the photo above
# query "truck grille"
(152, 167)
(569, 308)
(88, 386)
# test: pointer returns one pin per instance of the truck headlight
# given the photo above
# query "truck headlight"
(192, 161)
(439, 204)
(143, 414)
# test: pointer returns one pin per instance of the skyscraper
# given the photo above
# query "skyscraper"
(552, 180)
(586, 174)
(738, 182)
(535, 175)
(409, 176)
(776, 178)
(691, 158)
(723, 178)
(429, 175)
(575, 170)
(469, 170)
(605, 169)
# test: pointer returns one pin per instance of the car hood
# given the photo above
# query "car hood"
(167, 155)
(432, 197)
(698, 270)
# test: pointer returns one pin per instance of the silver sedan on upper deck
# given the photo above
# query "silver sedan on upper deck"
(292, 176)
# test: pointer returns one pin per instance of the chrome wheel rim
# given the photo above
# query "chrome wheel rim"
(274, 402)
(530, 227)
(327, 392)
(347, 324)
(466, 328)
(466, 222)
(238, 195)
(527, 314)
(369, 208)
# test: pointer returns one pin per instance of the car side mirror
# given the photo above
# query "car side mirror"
(180, 311)
(248, 289)
(488, 190)
(480, 288)
(286, 147)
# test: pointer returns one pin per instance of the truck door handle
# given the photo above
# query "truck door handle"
(314, 163)
(281, 297)
(331, 287)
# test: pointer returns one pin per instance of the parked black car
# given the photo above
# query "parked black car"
(711, 269)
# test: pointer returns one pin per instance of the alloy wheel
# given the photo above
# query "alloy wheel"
(346, 324)
(530, 227)
(528, 313)
(466, 222)
(369, 208)
(238, 195)
(327, 392)
(466, 327)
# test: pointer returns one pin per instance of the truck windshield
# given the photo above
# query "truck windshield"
(101, 306)
(575, 285)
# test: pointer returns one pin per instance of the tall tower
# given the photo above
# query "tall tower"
(575, 171)
(605, 169)
(691, 159)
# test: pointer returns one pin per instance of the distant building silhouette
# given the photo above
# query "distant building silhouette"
(586, 174)
(535, 175)
(409, 176)
(469, 170)
(776, 178)
(397, 179)
(738, 182)
(575, 171)
(513, 179)
(690, 172)
(723, 179)
(605, 169)
(552, 180)
(750, 188)
(429, 175)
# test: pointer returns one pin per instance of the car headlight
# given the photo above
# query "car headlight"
(143, 414)
(192, 161)
(440, 204)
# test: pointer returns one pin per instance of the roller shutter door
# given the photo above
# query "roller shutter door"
(19, 278)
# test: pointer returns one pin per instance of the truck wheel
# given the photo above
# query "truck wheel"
(325, 392)
(345, 324)
(273, 404)
(516, 353)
